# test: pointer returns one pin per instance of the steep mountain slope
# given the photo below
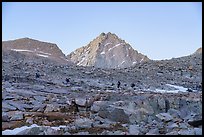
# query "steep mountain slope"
(107, 51)
(34, 48)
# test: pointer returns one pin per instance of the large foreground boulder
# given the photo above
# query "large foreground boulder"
(82, 123)
(114, 114)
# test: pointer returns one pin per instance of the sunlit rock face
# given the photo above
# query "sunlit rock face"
(107, 51)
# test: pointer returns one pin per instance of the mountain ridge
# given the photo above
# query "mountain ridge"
(104, 43)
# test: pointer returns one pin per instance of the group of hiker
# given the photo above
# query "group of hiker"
(67, 81)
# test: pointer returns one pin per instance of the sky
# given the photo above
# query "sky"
(160, 30)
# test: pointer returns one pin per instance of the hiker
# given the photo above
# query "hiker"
(132, 85)
(88, 105)
(67, 80)
(74, 106)
(118, 84)
(37, 75)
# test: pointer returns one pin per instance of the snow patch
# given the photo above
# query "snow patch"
(166, 91)
(102, 52)
(81, 61)
(88, 48)
(45, 53)
(58, 128)
(142, 59)
(115, 46)
(107, 44)
(178, 89)
(110, 91)
(22, 50)
(122, 62)
(118, 44)
(87, 52)
(17, 130)
(42, 55)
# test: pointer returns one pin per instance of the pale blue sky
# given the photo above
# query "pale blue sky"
(158, 30)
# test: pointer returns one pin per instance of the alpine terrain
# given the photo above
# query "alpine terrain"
(104, 88)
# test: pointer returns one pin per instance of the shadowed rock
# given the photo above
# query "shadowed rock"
(195, 123)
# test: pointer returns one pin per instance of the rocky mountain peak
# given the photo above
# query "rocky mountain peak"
(32, 47)
(109, 36)
(107, 51)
